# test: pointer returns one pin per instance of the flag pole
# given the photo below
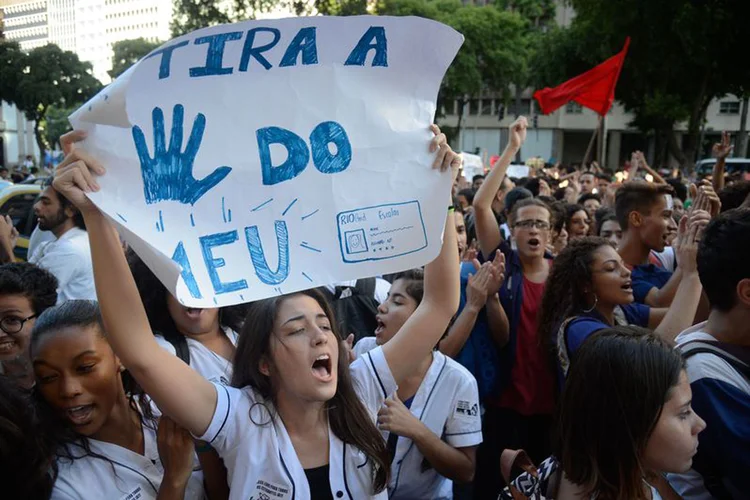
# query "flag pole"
(591, 144)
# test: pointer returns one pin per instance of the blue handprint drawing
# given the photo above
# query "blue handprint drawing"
(169, 174)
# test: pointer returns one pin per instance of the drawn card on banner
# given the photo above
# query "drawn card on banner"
(265, 157)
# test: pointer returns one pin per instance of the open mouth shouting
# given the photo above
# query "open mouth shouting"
(322, 369)
(79, 415)
(380, 328)
(193, 312)
(627, 287)
(534, 243)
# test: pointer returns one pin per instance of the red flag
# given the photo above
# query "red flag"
(594, 89)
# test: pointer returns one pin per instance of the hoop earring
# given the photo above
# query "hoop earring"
(596, 301)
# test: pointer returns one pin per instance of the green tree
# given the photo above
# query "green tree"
(49, 76)
(56, 124)
(682, 55)
(190, 15)
(11, 65)
(492, 53)
(125, 53)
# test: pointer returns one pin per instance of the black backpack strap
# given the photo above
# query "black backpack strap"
(179, 342)
(366, 287)
(737, 357)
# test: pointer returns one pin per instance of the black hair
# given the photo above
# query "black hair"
(570, 210)
(558, 215)
(476, 178)
(468, 194)
(587, 172)
(565, 294)
(65, 203)
(605, 176)
(533, 185)
(80, 314)
(348, 418)
(637, 196)
(734, 195)
(30, 281)
(620, 378)
(514, 196)
(589, 196)
(559, 193)
(723, 257)
(679, 188)
(154, 297)
(27, 455)
(415, 283)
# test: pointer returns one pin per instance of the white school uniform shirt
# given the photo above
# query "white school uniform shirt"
(259, 456)
(129, 476)
(207, 363)
(69, 259)
(447, 403)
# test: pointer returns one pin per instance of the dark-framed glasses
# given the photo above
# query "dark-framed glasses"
(528, 224)
(13, 324)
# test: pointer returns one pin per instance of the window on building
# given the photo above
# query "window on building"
(473, 107)
(486, 108)
(573, 108)
(729, 108)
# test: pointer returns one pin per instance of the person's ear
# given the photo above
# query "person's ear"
(264, 366)
(743, 292)
(635, 219)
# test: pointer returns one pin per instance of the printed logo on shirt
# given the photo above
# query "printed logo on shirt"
(136, 494)
(466, 409)
(269, 491)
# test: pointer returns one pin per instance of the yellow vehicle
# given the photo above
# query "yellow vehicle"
(17, 201)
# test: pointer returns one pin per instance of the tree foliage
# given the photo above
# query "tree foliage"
(44, 77)
(492, 55)
(682, 55)
(125, 53)
(190, 15)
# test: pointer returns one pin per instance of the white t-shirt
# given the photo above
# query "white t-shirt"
(210, 365)
(129, 476)
(447, 402)
(259, 456)
(69, 259)
(37, 238)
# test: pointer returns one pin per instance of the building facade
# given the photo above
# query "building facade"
(87, 27)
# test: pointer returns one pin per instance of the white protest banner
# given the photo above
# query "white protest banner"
(266, 157)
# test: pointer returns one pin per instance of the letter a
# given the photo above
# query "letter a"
(304, 42)
(374, 38)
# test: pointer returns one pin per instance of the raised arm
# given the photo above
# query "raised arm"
(178, 391)
(721, 150)
(423, 329)
(668, 324)
(488, 232)
(658, 179)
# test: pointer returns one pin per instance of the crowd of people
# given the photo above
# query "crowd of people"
(597, 320)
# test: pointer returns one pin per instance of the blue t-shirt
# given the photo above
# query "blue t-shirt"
(645, 278)
(589, 323)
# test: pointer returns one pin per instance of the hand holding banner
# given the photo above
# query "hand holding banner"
(266, 157)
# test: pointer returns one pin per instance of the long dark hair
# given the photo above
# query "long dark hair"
(70, 444)
(613, 398)
(154, 297)
(26, 452)
(347, 416)
(565, 293)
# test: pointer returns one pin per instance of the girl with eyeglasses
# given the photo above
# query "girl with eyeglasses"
(518, 410)
(25, 292)
(590, 289)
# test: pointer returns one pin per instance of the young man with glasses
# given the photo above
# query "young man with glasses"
(518, 412)
(26, 291)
